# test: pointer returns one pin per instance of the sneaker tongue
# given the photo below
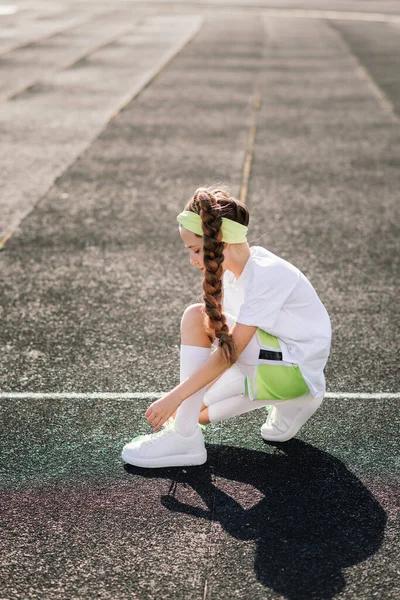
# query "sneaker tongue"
(170, 423)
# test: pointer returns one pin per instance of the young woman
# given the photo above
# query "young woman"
(261, 337)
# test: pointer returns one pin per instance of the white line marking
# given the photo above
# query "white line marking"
(331, 14)
(385, 102)
(155, 395)
(7, 9)
(302, 13)
(80, 395)
(362, 395)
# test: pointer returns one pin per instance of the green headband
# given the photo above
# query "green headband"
(232, 232)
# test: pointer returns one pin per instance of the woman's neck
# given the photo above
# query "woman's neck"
(236, 257)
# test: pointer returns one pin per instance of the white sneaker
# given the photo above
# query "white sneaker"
(166, 448)
(286, 418)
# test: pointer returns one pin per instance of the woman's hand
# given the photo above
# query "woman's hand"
(161, 410)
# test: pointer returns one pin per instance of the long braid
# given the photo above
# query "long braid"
(212, 203)
(213, 247)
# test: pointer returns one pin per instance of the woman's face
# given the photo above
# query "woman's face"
(194, 244)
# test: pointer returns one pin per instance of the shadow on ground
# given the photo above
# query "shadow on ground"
(315, 517)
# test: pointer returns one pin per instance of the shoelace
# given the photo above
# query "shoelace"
(154, 437)
(166, 425)
(150, 438)
(166, 429)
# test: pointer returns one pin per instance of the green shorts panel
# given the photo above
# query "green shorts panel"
(275, 382)
(266, 339)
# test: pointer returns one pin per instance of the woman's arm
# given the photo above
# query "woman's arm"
(162, 409)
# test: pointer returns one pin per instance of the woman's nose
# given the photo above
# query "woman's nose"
(193, 259)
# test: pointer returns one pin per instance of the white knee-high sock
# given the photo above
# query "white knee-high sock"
(192, 358)
(232, 407)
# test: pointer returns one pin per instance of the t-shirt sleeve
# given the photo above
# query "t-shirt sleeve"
(266, 292)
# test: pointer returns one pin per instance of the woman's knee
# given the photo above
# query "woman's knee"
(193, 330)
(193, 316)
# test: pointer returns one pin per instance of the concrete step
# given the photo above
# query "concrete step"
(40, 60)
(57, 118)
(34, 22)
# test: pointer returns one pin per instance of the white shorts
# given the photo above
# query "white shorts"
(259, 377)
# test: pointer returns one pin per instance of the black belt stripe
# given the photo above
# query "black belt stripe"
(270, 355)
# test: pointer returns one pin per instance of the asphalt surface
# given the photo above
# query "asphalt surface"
(117, 117)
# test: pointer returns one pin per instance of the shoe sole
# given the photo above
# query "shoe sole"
(190, 460)
(296, 425)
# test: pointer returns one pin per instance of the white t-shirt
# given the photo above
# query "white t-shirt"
(277, 297)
